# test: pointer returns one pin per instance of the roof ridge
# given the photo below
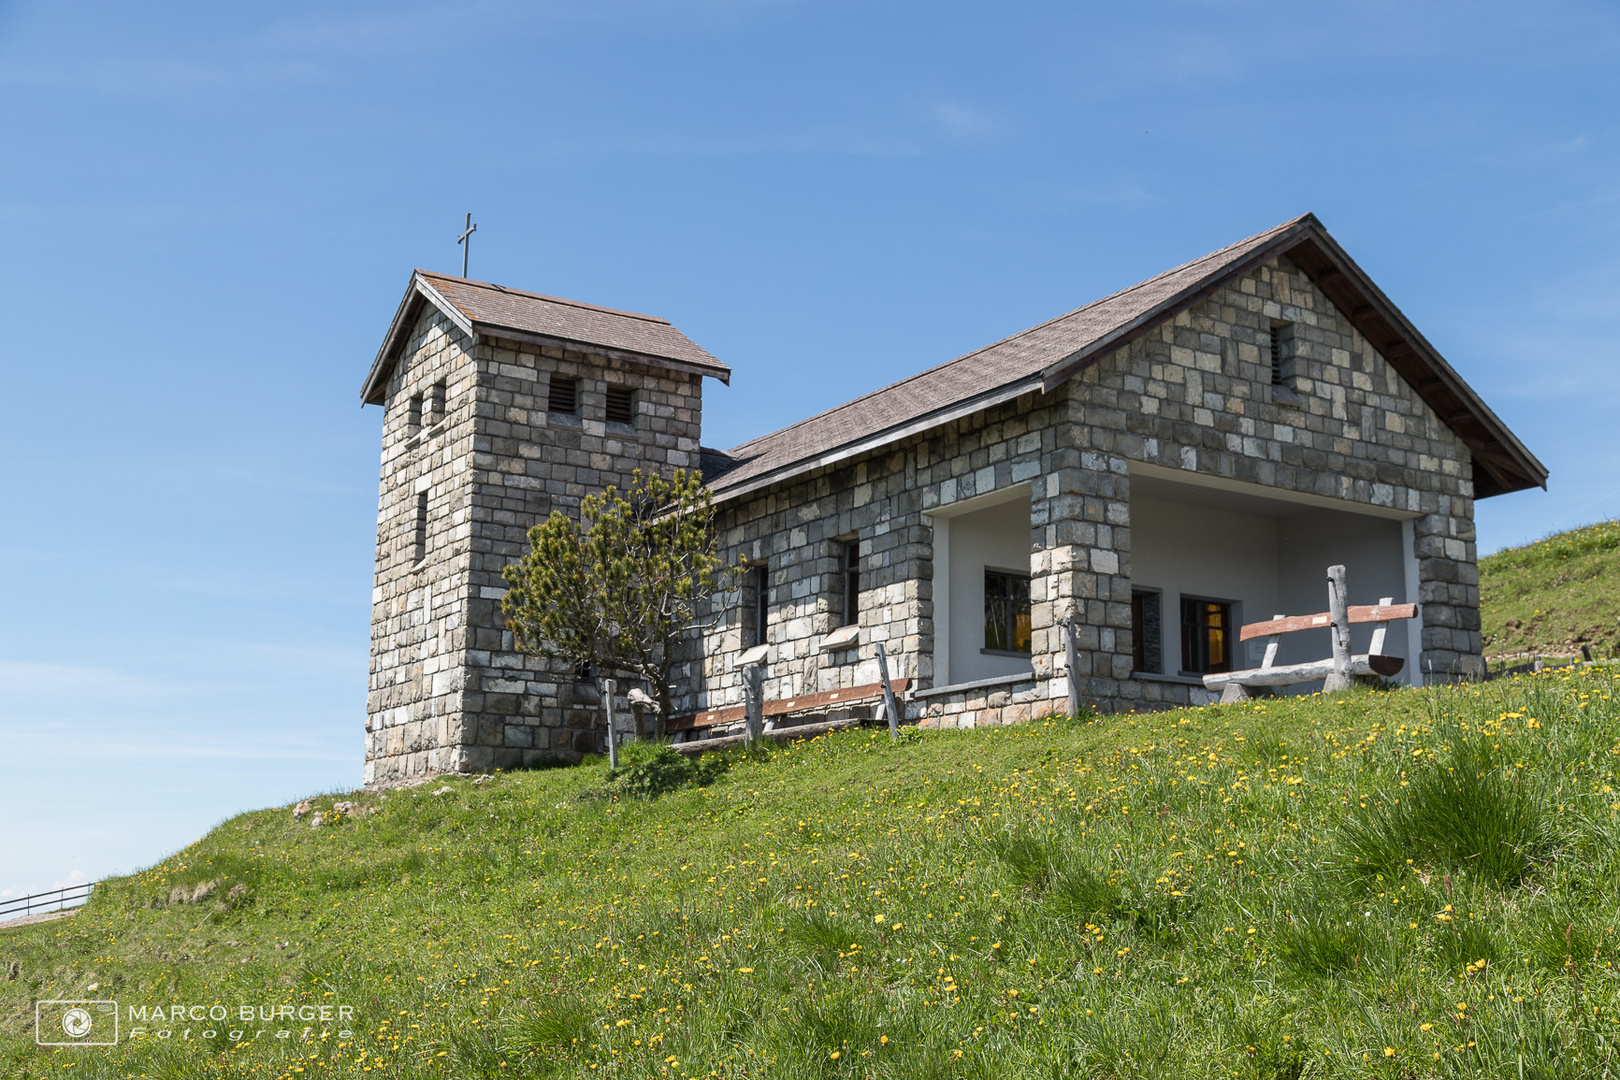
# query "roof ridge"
(1263, 234)
(542, 296)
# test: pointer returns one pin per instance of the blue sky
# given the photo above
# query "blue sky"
(208, 213)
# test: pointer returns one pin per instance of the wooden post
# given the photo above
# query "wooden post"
(609, 687)
(1380, 630)
(754, 711)
(1236, 692)
(888, 693)
(1071, 660)
(1339, 628)
(1273, 643)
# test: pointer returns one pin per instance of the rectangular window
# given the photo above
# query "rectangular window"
(1206, 636)
(413, 418)
(1147, 632)
(1282, 354)
(1006, 612)
(851, 570)
(419, 544)
(563, 396)
(621, 405)
(760, 593)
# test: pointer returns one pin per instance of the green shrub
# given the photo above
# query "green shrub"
(647, 770)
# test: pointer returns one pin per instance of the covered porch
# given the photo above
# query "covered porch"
(1209, 555)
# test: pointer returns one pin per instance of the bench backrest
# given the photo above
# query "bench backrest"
(1380, 613)
(1383, 611)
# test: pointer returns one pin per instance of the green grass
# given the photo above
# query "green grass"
(1551, 597)
(1392, 884)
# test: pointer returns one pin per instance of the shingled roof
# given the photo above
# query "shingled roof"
(1043, 357)
(479, 308)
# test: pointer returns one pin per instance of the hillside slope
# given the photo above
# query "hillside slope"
(1551, 597)
(1399, 884)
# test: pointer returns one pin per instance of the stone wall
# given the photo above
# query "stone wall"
(798, 528)
(447, 690)
(419, 606)
(526, 462)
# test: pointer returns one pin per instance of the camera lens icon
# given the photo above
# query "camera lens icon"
(77, 1023)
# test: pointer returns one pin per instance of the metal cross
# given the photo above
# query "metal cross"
(465, 240)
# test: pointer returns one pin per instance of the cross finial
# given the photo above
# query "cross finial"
(465, 240)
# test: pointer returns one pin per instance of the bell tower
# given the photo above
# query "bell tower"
(500, 406)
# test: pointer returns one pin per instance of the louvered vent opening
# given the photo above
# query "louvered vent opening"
(620, 405)
(1282, 353)
(564, 396)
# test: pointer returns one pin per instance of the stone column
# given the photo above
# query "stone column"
(1448, 589)
(1080, 532)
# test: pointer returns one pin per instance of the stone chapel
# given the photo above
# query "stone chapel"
(1166, 464)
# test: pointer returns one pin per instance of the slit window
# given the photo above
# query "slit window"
(419, 540)
(759, 592)
(563, 396)
(413, 417)
(1006, 612)
(433, 412)
(1206, 636)
(850, 569)
(1147, 632)
(621, 405)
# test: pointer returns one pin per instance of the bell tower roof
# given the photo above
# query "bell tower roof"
(480, 309)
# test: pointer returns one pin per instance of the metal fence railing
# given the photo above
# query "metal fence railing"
(54, 900)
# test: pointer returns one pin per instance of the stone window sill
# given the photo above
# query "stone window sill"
(756, 655)
(977, 684)
(1005, 652)
(426, 435)
(845, 637)
(1179, 680)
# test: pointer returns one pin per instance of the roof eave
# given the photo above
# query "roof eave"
(421, 289)
(877, 440)
(1066, 368)
(371, 391)
(716, 370)
(1508, 465)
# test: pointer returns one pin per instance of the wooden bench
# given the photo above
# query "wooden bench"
(803, 703)
(1235, 685)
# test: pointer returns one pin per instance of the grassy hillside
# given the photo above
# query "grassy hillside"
(1399, 884)
(1551, 597)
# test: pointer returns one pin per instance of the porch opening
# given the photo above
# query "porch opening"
(981, 588)
(1215, 558)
